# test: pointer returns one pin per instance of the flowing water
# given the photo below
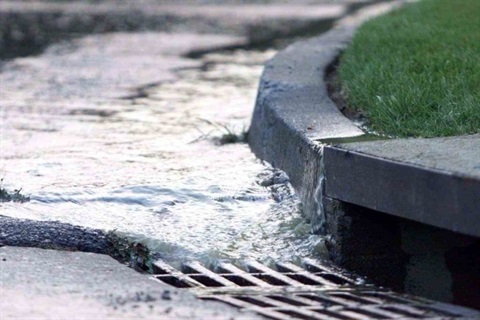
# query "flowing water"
(154, 168)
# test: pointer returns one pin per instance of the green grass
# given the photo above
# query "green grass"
(416, 71)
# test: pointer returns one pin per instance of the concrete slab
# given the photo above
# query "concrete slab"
(48, 284)
(435, 181)
(454, 155)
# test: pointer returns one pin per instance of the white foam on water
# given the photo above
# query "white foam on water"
(151, 169)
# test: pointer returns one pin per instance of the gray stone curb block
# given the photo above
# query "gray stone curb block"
(441, 198)
(432, 181)
(294, 114)
(293, 111)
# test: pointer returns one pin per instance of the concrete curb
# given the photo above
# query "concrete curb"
(345, 188)
(294, 114)
(293, 111)
(444, 194)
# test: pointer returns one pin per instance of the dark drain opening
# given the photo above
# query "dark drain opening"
(304, 279)
(289, 301)
(333, 278)
(331, 315)
(240, 281)
(293, 292)
(255, 302)
(207, 281)
(321, 300)
(173, 281)
(271, 279)
(366, 314)
(296, 314)
(189, 270)
(351, 298)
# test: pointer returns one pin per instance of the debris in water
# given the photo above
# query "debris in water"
(14, 196)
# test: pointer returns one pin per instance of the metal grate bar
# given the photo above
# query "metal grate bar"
(165, 270)
(245, 305)
(377, 313)
(269, 274)
(351, 298)
(315, 279)
(315, 267)
(283, 301)
(385, 310)
(300, 313)
(321, 300)
(383, 296)
(207, 274)
(291, 292)
(407, 311)
(334, 300)
(358, 315)
(260, 301)
(299, 300)
(227, 267)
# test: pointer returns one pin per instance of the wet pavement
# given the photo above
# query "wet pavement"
(125, 133)
(131, 134)
(130, 163)
(92, 286)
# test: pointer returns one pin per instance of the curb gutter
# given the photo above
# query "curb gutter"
(444, 194)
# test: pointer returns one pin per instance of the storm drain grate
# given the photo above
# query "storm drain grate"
(314, 291)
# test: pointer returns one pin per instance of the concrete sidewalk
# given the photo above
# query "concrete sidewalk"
(49, 284)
